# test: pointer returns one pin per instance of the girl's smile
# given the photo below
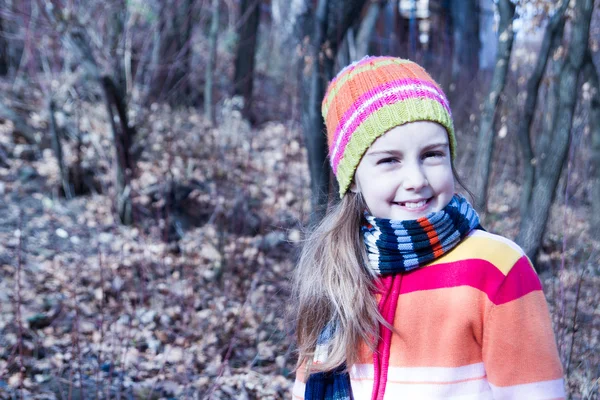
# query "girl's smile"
(415, 205)
(407, 172)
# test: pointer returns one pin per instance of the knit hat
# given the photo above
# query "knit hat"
(371, 96)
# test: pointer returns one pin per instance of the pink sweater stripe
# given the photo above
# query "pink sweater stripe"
(479, 274)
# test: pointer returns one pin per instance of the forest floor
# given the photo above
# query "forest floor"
(191, 300)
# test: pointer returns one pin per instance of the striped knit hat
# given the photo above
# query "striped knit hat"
(370, 97)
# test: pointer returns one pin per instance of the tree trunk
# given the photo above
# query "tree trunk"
(591, 75)
(57, 148)
(544, 141)
(534, 221)
(11, 47)
(440, 32)
(412, 30)
(126, 132)
(171, 54)
(485, 142)
(552, 35)
(465, 26)
(347, 51)
(210, 64)
(487, 35)
(183, 87)
(122, 137)
(245, 53)
(78, 40)
(341, 15)
(313, 86)
(363, 37)
(116, 35)
(326, 29)
(389, 45)
(3, 48)
(160, 58)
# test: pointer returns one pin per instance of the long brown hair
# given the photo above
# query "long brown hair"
(332, 283)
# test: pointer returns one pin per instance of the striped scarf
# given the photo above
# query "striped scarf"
(393, 247)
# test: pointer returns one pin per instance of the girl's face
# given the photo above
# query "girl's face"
(407, 172)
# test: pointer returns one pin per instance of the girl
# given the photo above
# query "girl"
(401, 294)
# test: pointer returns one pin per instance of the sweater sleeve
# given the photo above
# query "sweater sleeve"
(519, 349)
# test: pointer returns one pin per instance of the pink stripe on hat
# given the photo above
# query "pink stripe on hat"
(371, 103)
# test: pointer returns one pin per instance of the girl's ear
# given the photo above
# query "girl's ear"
(354, 188)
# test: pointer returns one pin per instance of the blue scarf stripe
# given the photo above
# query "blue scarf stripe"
(452, 240)
(383, 242)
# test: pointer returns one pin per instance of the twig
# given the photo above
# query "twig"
(101, 307)
(127, 340)
(574, 322)
(75, 336)
(58, 377)
(19, 321)
(113, 346)
(112, 365)
(561, 315)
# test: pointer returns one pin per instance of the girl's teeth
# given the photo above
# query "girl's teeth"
(415, 205)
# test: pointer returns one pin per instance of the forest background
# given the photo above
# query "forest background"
(160, 162)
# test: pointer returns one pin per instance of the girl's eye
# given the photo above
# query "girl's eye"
(387, 160)
(433, 154)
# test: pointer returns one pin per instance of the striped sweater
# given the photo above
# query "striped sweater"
(473, 324)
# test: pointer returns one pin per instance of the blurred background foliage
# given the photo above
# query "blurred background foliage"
(161, 160)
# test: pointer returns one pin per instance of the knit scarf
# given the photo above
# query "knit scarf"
(393, 247)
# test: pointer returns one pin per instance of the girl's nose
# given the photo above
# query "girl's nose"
(414, 178)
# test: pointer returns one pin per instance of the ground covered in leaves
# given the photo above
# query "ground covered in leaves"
(190, 301)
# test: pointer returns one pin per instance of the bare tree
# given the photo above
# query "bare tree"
(367, 25)
(485, 140)
(552, 37)
(591, 74)
(171, 53)
(243, 80)
(465, 27)
(77, 39)
(117, 19)
(313, 90)
(390, 38)
(440, 32)
(326, 27)
(533, 223)
(12, 16)
(58, 153)
(210, 64)
(543, 144)
(487, 35)
(3, 48)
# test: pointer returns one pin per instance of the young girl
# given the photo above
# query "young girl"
(401, 294)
